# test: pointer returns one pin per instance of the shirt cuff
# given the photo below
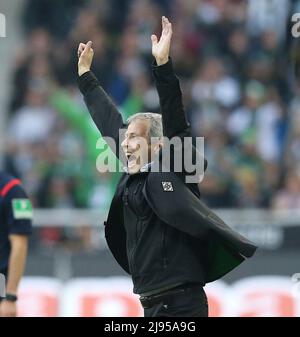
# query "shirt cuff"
(164, 74)
(87, 82)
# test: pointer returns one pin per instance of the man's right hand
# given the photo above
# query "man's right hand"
(161, 47)
(85, 57)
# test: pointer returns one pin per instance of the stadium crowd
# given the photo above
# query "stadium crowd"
(239, 93)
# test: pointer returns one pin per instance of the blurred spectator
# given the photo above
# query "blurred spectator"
(55, 16)
(33, 122)
(289, 196)
(268, 15)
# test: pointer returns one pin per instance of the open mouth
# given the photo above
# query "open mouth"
(132, 160)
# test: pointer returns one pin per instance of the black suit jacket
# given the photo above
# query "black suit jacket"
(181, 207)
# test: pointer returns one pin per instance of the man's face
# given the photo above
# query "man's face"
(136, 145)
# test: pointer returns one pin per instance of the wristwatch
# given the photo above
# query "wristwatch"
(11, 297)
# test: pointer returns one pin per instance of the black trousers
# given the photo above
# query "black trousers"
(192, 303)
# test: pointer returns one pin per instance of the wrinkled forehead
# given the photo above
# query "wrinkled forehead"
(138, 127)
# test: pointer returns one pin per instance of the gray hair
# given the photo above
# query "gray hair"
(156, 129)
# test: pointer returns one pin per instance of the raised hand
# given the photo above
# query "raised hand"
(161, 48)
(85, 57)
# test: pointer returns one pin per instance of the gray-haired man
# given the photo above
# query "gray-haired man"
(157, 228)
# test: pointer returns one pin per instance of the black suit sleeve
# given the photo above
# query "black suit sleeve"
(170, 96)
(103, 111)
(175, 123)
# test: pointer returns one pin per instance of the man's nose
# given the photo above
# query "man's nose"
(124, 144)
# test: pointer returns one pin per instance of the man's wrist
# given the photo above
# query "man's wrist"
(82, 71)
(162, 61)
(87, 82)
(164, 74)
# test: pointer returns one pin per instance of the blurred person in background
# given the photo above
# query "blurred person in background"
(15, 227)
(288, 197)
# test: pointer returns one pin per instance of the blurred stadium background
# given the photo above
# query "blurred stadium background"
(237, 62)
